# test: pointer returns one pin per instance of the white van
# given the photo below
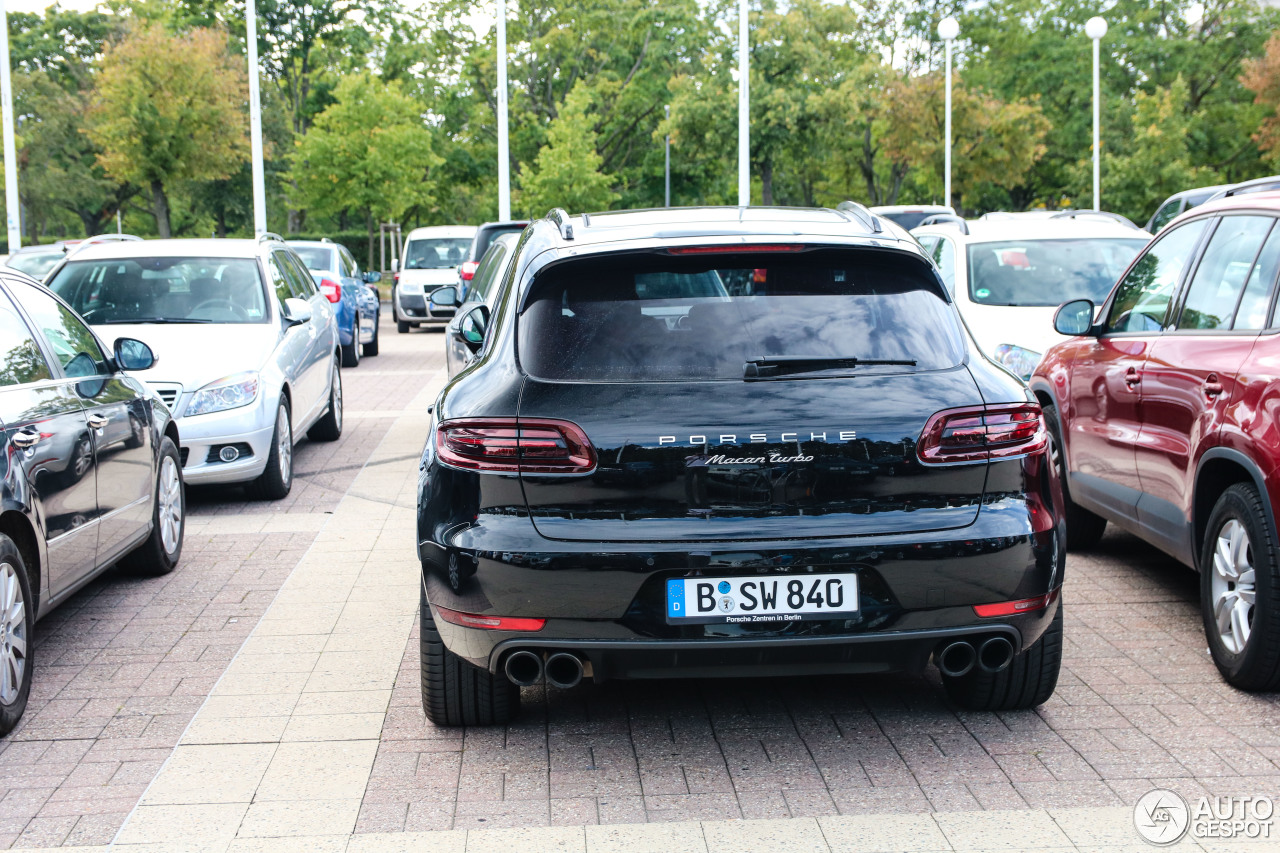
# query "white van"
(431, 260)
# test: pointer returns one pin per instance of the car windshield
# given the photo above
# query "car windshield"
(316, 257)
(164, 290)
(654, 317)
(35, 264)
(435, 254)
(1048, 272)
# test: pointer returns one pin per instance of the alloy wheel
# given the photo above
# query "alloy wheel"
(170, 509)
(13, 634)
(284, 445)
(337, 396)
(1233, 586)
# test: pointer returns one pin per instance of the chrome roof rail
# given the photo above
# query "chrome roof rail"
(269, 235)
(561, 219)
(945, 219)
(101, 238)
(1105, 214)
(855, 212)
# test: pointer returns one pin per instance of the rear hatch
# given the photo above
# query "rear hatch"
(746, 395)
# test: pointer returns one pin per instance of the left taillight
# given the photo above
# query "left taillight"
(505, 445)
(331, 289)
(982, 432)
(467, 271)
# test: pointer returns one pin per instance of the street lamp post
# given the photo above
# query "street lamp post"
(255, 121)
(744, 108)
(948, 29)
(667, 171)
(1095, 28)
(504, 158)
(10, 147)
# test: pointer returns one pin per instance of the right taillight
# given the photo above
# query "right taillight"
(979, 433)
(505, 445)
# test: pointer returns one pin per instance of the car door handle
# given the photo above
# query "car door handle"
(1133, 377)
(98, 421)
(1212, 387)
(25, 439)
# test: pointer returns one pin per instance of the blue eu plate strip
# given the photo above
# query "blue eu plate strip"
(675, 598)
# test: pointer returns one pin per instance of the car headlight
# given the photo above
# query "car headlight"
(230, 392)
(1019, 360)
(411, 289)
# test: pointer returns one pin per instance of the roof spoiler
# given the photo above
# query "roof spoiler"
(855, 212)
(946, 219)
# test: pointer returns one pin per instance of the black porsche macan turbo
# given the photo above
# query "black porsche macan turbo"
(732, 441)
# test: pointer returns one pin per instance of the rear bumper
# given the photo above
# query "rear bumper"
(915, 594)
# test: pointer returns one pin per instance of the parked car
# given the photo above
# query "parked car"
(1009, 274)
(250, 344)
(786, 482)
(466, 330)
(431, 260)
(909, 216)
(1257, 185)
(92, 471)
(355, 304)
(1181, 202)
(1162, 417)
(485, 235)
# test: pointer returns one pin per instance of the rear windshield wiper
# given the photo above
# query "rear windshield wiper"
(765, 367)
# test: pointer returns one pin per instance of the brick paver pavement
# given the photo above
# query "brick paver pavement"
(1139, 705)
(123, 666)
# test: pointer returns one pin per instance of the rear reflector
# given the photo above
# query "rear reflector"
(724, 250)
(1009, 608)
(490, 623)
(979, 433)
(331, 289)
(527, 446)
(467, 271)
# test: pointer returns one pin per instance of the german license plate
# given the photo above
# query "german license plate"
(757, 599)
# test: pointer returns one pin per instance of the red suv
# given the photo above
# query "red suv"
(1162, 415)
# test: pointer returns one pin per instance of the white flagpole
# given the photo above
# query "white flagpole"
(504, 158)
(744, 108)
(10, 148)
(255, 122)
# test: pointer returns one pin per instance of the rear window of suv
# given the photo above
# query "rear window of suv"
(656, 317)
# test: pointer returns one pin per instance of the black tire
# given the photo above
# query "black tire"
(277, 479)
(1256, 666)
(402, 327)
(351, 354)
(455, 693)
(371, 348)
(1028, 681)
(1084, 528)
(154, 557)
(21, 655)
(329, 427)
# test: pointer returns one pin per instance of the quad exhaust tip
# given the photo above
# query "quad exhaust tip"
(523, 668)
(957, 659)
(564, 670)
(995, 654)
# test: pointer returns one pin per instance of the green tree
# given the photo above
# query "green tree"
(1157, 163)
(169, 109)
(369, 151)
(567, 172)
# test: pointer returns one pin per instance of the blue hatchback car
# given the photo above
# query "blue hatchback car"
(356, 305)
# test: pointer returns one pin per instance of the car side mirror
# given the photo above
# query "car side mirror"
(474, 326)
(371, 277)
(445, 297)
(395, 265)
(1074, 318)
(297, 311)
(133, 354)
